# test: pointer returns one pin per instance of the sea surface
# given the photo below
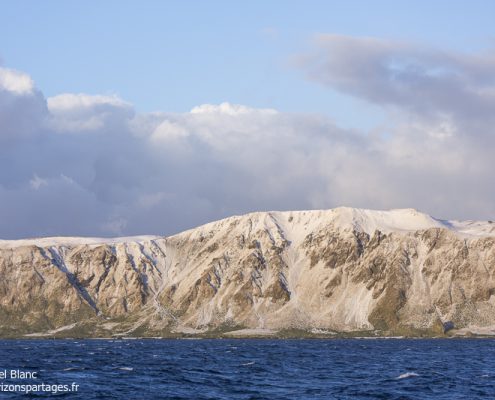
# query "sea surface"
(251, 369)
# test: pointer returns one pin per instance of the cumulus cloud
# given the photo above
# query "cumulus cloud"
(22, 107)
(15, 82)
(79, 164)
(84, 113)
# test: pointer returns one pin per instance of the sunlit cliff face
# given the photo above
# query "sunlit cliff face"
(341, 270)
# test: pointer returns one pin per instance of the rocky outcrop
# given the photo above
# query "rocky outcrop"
(342, 270)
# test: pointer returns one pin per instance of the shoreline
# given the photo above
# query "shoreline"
(248, 337)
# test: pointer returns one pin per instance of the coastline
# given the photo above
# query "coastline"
(279, 335)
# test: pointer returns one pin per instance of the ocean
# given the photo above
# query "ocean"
(248, 369)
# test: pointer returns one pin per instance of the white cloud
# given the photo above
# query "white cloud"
(37, 182)
(22, 108)
(121, 172)
(15, 81)
(425, 81)
(230, 109)
(169, 131)
(83, 112)
(78, 102)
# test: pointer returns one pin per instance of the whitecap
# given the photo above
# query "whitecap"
(248, 363)
(127, 369)
(407, 375)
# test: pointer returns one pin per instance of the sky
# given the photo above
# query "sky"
(123, 118)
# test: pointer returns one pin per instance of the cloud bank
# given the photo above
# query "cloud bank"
(79, 164)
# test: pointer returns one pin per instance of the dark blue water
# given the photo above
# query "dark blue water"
(254, 369)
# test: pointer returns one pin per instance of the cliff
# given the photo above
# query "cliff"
(345, 270)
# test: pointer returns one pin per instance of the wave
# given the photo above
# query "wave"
(407, 375)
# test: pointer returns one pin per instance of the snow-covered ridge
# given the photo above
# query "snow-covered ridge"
(396, 220)
(403, 220)
(73, 241)
(299, 223)
(407, 220)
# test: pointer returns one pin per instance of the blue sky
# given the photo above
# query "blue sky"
(175, 55)
(123, 118)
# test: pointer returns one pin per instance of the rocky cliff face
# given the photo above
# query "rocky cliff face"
(341, 270)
